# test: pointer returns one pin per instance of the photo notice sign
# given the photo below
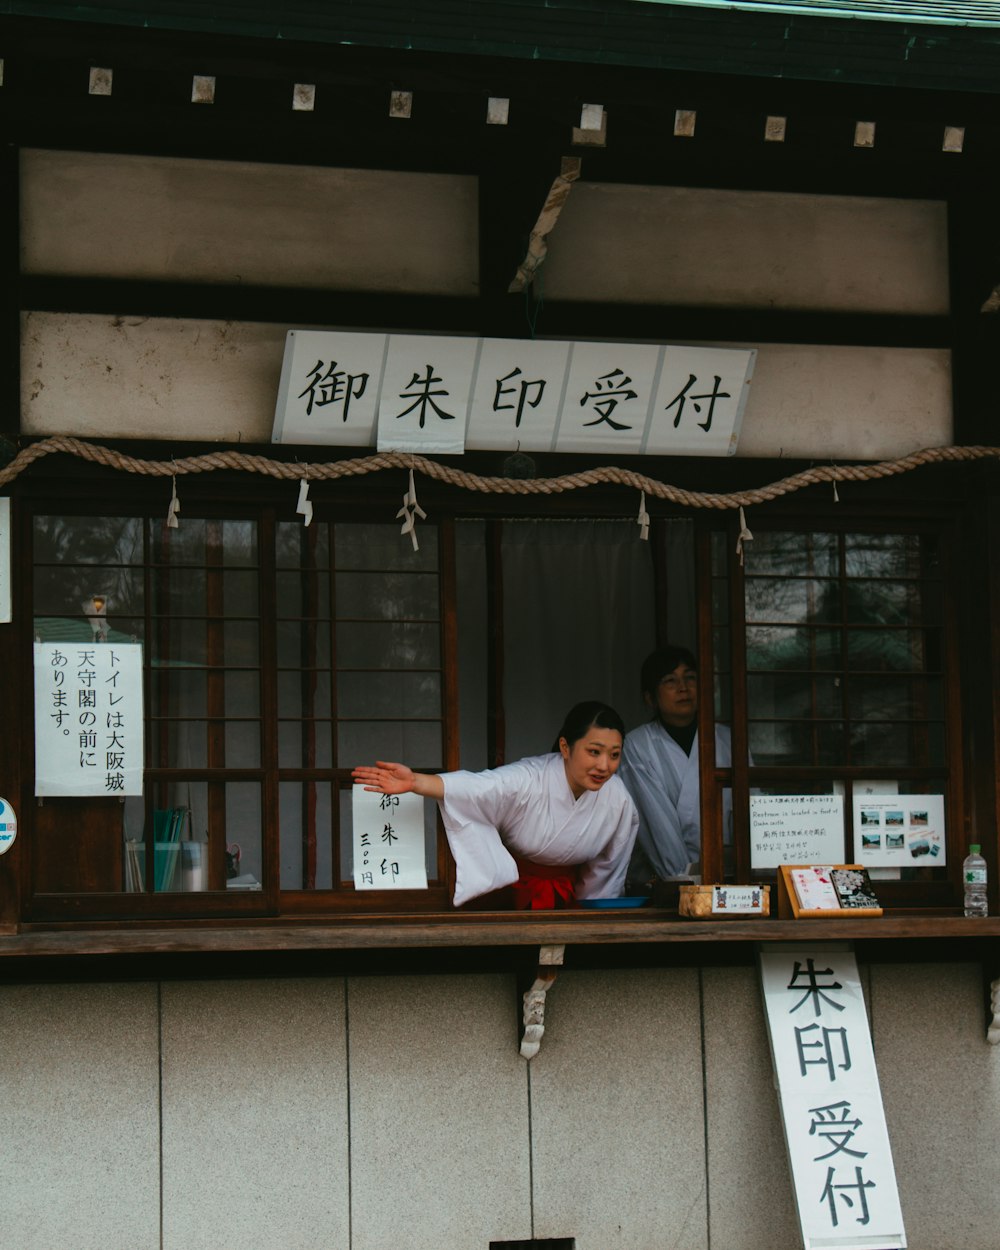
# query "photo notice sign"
(899, 830)
(796, 829)
(88, 718)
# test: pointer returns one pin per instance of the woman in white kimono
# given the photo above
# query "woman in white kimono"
(556, 827)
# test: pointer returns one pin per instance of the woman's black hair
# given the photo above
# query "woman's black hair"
(661, 663)
(585, 716)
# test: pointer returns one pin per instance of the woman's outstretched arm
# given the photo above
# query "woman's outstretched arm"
(386, 778)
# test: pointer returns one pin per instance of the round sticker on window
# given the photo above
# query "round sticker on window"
(8, 826)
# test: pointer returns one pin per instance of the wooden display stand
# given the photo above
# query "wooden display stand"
(788, 903)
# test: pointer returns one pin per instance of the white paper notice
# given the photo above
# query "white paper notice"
(388, 841)
(88, 718)
(796, 829)
(831, 1104)
(899, 830)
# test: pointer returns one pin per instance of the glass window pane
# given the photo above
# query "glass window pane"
(300, 643)
(70, 590)
(383, 547)
(303, 595)
(179, 642)
(794, 697)
(305, 744)
(891, 555)
(892, 603)
(882, 745)
(384, 695)
(297, 547)
(399, 645)
(242, 744)
(776, 647)
(241, 643)
(417, 743)
(896, 698)
(304, 692)
(106, 540)
(184, 545)
(795, 601)
(894, 650)
(239, 543)
(243, 835)
(797, 743)
(179, 744)
(307, 835)
(242, 693)
(179, 592)
(239, 593)
(387, 596)
(176, 692)
(792, 554)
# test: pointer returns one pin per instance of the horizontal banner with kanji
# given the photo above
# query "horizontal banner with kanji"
(422, 393)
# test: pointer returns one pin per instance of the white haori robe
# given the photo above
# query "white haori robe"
(528, 808)
(663, 782)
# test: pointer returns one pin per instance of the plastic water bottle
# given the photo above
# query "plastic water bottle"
(974, 877)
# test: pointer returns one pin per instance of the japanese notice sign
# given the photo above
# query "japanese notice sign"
(88, 718)
(831, 1104)
(796, 829)
(899, 830)
(388, 841)
(426, 393)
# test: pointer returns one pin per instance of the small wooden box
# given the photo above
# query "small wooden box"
(695, 902)
(788, 903)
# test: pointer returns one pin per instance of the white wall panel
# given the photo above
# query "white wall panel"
(91, 214)
(135, 377)
(255, 1133)
(79, 1117)
(749, 249)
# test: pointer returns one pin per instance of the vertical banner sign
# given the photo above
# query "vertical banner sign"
(88, 718)
(831, 1104)
(388, 841)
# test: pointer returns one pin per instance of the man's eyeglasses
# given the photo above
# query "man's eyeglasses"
(673, 682)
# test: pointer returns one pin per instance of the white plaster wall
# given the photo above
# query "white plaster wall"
(93, 214)
(618, 1126)
(439, 1114)
(941, 1088)
(749, 249)
(396, 1111)
(254, 1115)
(79, 1117)
(167, 378)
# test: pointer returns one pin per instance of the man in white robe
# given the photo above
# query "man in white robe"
(660, 770)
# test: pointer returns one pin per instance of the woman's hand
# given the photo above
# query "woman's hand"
(386, 778)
